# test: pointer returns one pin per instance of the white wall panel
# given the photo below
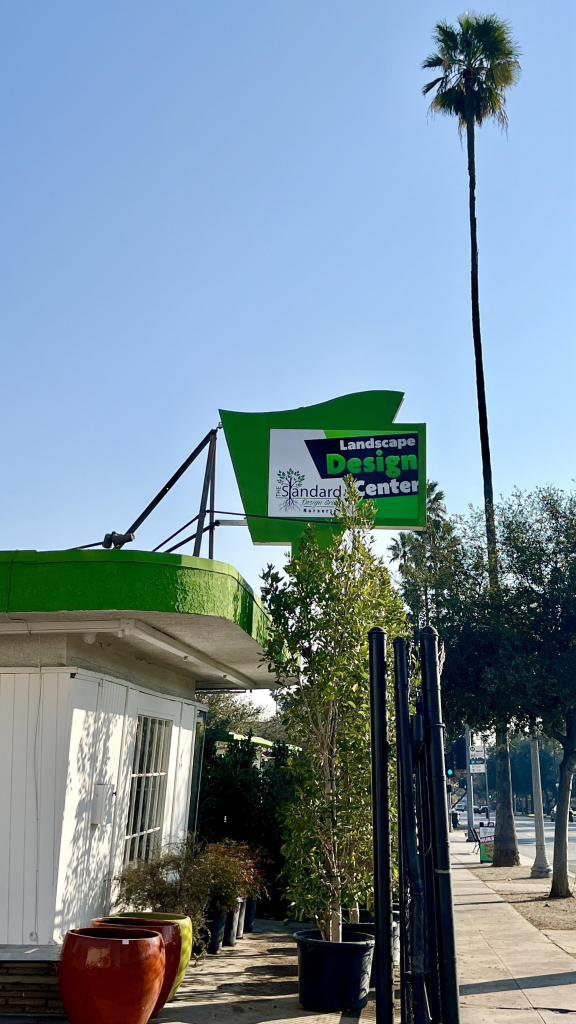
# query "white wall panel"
(59, 737)
(33, 713)
(183, 774)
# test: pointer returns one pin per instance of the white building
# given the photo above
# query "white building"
(103, 659)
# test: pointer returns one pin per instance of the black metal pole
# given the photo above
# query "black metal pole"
(425, 852)
(212, 503)
(204, 498)
(173, 479)
(381, 822)
(414, 940)
(434, 737)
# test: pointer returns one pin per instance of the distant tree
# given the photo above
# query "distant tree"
(426, 561)
(243, 801)
(232, 712)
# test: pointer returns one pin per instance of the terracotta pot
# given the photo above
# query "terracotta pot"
(185, 925)
(170, 932)
(111, 975)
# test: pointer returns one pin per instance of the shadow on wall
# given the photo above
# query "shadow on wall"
(86, 860)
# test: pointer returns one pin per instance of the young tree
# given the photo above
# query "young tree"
(321, 610)
(478, 60)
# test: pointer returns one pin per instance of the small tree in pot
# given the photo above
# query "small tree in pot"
(321, 611)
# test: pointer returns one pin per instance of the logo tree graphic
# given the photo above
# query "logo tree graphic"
(291, 479)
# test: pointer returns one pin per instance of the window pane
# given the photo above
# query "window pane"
(148, 788)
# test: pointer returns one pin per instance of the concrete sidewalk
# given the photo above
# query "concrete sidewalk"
(509, 972)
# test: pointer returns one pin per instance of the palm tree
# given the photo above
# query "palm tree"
(478, 60)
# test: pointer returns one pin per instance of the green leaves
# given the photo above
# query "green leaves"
(480, 60)
(321, 610)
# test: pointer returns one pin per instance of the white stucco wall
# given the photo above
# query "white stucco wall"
(62, 734)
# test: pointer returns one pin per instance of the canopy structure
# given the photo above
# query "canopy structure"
(194, 622)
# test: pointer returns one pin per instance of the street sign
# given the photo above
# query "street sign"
(477, 769)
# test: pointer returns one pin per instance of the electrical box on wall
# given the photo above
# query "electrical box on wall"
(103, 804)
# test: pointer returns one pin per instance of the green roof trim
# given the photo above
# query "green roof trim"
(99, 580)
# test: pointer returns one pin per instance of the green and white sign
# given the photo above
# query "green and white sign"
(291, 465)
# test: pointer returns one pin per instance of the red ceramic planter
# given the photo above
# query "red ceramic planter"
(170, 932)
(111, 975)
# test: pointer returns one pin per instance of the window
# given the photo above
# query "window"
(147, 788)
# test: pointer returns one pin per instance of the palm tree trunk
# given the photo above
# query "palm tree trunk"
(505, 842)
(480, 385)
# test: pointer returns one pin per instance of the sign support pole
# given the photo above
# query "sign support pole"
(469, 790)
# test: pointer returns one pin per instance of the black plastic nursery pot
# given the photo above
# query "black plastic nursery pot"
(250, 914)
(368, 928)
(334, 975)
(217, 926)
(231, 927)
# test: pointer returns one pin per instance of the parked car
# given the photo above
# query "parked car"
(553, 814)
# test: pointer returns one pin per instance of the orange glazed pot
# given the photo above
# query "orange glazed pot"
(170, 932)
(111, 975)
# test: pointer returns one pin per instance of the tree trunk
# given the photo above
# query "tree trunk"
(560, 881)
(505, 843)
(479, 362)
(540, 867)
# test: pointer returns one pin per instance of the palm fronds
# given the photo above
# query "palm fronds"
(479, 60)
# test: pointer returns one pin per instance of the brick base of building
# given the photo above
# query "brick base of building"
(30, 988)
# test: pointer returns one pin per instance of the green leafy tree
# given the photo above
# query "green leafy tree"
(538, 541)
(478, 62)
(426, 562)
(320, 610)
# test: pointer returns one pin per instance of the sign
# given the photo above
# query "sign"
(486, 836)
(477, 769)
(290, 466)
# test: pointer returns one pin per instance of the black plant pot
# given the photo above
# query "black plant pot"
(250, 917)
(216, 927)
(367, 928)
(334, 975)
(241, 920)
(231, 927)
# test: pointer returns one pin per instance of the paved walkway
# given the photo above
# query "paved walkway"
(256, 981)
(509, 972)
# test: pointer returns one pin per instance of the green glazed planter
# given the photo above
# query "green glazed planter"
(186, 936)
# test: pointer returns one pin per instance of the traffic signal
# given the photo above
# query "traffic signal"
(449, 764)
(460, 752)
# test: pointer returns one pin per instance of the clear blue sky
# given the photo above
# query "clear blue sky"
(242, 204)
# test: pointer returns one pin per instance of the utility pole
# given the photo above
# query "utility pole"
(540, 868)
(469, 792)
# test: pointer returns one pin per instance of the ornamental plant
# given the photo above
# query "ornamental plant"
(321, 609)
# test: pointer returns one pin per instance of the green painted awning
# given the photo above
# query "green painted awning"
(196, 601)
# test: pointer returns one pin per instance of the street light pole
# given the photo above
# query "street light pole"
(469, 793)
(540, 868)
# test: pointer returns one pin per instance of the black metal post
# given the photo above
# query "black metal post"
(434, 737)
(173, 479)
(204, 498)
(425, 853)
(211, 518)
(381, 821)
(414, 941)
